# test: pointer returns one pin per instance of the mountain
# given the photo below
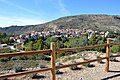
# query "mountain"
(92, 21)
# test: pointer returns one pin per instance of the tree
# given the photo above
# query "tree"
(29, 46)
(93, 40)
(38, 45)
(3, 35)
(0, 40)
(76, 42)
(5, 40)
(103, 49)
(51, 39)
(117, 39)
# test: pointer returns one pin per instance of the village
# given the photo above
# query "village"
(23, 38)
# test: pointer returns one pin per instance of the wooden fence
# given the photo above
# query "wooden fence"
(53, 51)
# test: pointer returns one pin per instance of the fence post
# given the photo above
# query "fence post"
(53, 71)
(107, 55)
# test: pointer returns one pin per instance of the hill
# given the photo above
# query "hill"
(95, 22)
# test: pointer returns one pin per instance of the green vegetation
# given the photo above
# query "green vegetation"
(65, 42)
(58, 64)
(74, 42)
(100, 61)
(73, 67)
(61, 42)
(10, 65)
(93, 40)
(7, 51)
(33, 75)
(115, 48)
(18, 68)
(4, 38)
(4, 59)
(87, 65)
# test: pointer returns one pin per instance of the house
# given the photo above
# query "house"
(106, 34)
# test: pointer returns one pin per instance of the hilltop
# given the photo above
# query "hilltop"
(95, 22)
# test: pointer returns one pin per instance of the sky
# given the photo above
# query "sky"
(30, 12)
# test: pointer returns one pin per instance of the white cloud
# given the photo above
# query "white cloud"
(37, 2)
(60, 6)
(20, 7)
(8, 21)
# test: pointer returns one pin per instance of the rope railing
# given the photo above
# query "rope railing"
(53, 51)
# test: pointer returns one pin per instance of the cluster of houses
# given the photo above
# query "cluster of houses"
(64, 32)
(23, 38)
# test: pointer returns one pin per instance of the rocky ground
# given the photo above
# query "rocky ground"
(96, 72)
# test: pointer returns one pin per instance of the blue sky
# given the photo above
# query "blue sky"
(28, 12)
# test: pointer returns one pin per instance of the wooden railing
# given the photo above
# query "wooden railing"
(53, 51)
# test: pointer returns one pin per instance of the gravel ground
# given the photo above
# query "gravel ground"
(89, 73)
(93, 73)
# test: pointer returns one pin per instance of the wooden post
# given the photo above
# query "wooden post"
(53, 71)
(107, 55)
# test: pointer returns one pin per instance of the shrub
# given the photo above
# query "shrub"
(42, 66)
(18, 68)
(115, 49)
(73, 67)
(58, 64)
(4, 59)
(66, 59)
(87, 65)
(14, 58)
(33, 75)
(113, 58)
(21, 57)
(100, 61)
